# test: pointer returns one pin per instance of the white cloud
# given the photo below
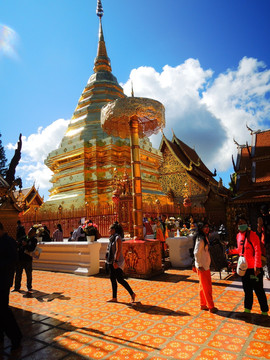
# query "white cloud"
(35, 149)
(8, 41)
(237, 98)
(179, 89)
(205, 112)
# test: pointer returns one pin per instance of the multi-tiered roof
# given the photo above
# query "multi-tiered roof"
(252, 168)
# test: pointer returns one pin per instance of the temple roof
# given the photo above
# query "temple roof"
(245, 160)
(28, 195)
(192, 156)
(263, 144)
(190, 160)
(253, 163)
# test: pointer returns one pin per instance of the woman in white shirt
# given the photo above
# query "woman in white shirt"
(202, 264)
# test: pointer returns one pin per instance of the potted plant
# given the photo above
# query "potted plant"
(39, 231)
(91, 231)
(184, 231)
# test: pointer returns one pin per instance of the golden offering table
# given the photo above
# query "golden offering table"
(179, 250)
(81, 258)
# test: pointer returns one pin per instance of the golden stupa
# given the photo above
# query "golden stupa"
(84, 164)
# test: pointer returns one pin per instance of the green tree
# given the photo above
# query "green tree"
(3, 159)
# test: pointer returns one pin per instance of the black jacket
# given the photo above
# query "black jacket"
(8, 258)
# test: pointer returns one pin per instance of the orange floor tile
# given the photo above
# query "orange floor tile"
(68, 317)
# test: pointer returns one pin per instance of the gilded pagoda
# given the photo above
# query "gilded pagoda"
(85, 163)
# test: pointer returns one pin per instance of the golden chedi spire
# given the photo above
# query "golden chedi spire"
(82, 165)
(102, 61)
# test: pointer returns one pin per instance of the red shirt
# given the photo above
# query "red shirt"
(252, 252)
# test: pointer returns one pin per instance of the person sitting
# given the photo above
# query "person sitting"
(70, 237)
(79, 234)
(46, 234)
(58, 233)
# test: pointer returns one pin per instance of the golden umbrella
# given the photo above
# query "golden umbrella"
(134, 117)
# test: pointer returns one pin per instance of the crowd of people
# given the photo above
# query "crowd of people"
(17, 255)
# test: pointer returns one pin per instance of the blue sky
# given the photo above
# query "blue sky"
(208, 61)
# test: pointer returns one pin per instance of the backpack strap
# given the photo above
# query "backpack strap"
(248, 239)
(243, 247)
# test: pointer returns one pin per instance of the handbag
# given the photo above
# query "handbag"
(241, 265)
(242, 262)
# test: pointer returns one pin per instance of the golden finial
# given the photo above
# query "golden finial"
(99, 10)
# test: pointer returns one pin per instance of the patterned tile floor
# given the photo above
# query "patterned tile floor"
(67, 317)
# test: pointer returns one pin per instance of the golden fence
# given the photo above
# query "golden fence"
(103, 216)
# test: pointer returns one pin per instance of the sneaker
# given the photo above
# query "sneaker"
(213, 310)
(204, 307)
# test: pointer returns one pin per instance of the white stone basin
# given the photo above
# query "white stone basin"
(78, 257)
(179, 250)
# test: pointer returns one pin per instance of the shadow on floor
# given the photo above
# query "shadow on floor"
(42, 296)
(157, 310)
(115, 339)
(255, 319)
(40, 333)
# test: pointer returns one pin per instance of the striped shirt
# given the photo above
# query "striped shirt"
(57, 235)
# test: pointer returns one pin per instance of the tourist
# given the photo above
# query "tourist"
(70, 237)
(154, 227)
(264, 233)
(248, 244)
(165, 235)
(144, 230)
(163, 223)
(161, 238)
(58, 233)
(20, 231)
(115, 262)
(8, 257)
(202, 264)
(26, 245)
(148, 227)
(79, 234)
(46, 234)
